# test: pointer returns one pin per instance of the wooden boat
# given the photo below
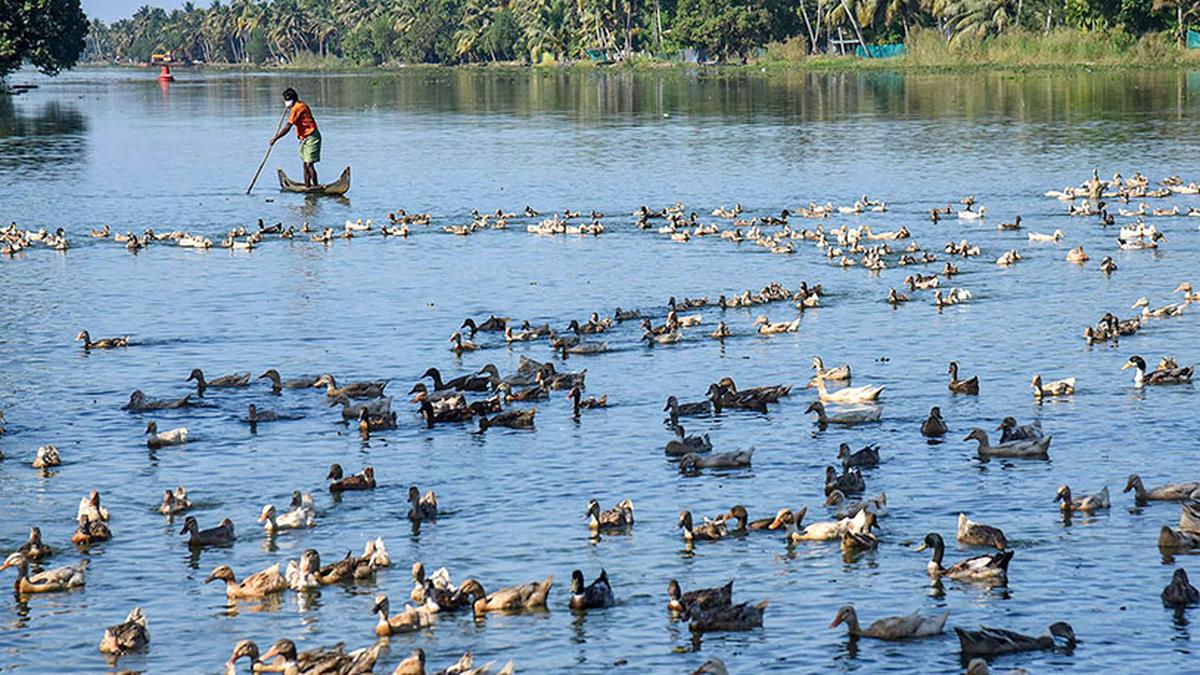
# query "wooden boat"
(339, 187)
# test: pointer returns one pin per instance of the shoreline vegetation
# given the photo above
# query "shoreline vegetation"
(811, 35)
(925, 50)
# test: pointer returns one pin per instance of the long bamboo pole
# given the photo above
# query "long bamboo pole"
(264, 159)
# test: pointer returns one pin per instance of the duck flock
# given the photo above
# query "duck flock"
(551, 380)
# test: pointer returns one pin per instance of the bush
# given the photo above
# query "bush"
(792, 50)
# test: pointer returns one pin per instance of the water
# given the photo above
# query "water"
(98, 146)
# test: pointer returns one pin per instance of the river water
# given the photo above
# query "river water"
(113, 146)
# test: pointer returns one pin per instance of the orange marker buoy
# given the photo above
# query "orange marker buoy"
(165, 75)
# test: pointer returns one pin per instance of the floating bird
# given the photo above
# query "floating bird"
(991, 568)
(130, 635)
(894, 627)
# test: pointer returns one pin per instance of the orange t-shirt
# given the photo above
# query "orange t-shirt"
(301, 118)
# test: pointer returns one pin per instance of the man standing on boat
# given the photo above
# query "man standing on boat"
(306, 130)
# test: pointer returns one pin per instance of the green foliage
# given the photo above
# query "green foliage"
(49, 34)
(317, 33)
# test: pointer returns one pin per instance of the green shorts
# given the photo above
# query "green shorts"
(310, 148)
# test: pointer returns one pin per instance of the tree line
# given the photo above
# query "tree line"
(479, 31)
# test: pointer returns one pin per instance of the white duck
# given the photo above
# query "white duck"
(1057, 235)
(863, 394)
(765, 327)
(154, 439)
(295, 519)
(846, 416)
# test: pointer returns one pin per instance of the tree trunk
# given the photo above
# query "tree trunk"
(857, 31)
(812, 47)
(657, 24)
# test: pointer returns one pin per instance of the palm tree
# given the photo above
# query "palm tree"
(975, 19)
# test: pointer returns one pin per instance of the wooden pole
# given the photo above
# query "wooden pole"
(264, 159)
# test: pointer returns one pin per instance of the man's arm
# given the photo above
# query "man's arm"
(282, 132)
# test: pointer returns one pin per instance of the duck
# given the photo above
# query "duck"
(769, 393)
(828, 530)
(138, 402)
(958, 386)
(154, 439)
(682, 444)
(1171, 492)
(513, 419)
(765, 327)
(934, 426)
(566, 347)
(845, 416)
(736, 459)
(978, 534)
(50, 581)
(221, 535)
(234, 380)
(368, 422)
(710, 530)
(257, 585)
(1166, 311)
(579, 403)
(895, 298)
(1188, 294)
(847, 509)
(174, 501)
(861, 538)
(47, 457)
(298, 518)
(741, 517)
(321, 660)
(1180, 593)
(133, 634)
(487, 377)
(862, 394)
(867, 456)
(1010, 431)
(991, 568)
(423, 508)
(339, 482)
(836, 374)
(677, 409)
(354, 390)
(1107, 265)
(445, 415)
(1157, 377)
(617, 519)
(378, 407)
(493, 323)
(721, 332)
(1064, 387)
(848, 482)
(663, 339)
(992, 641)
(422, 584)
(104, 343)
(955, 296)
(1088, 504)
(278, 383)
(1015, 225)
(33, 548)
(526, 596)
(1038, 448)
(89, 507)
(596, 595)
(893, 627)
(1077, 255)
(90, 531)
(410, 620)
(701, 599)
(620, 315)
(731, 618)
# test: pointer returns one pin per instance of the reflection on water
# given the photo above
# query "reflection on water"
(51, 136)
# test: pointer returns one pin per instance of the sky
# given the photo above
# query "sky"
(111, 10)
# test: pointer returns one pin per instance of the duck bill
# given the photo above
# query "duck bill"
(1127, 366)
(922, 547)
(272, 652)
(210, 578)
(837, 621)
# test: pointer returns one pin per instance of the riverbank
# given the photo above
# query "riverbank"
(925, 50)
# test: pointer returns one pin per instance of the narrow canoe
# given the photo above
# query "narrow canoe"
(339, 187)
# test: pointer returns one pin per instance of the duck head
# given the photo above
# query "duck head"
(243, 648)
(221, 572)
(335, 472)
(285, 648)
